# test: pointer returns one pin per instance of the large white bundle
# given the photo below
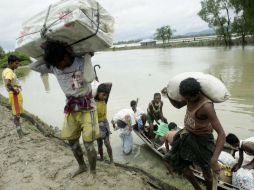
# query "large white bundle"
(246, 158)
(95, 86)
(68, 21)
(211, 86)
(244, 179)
(227, 159)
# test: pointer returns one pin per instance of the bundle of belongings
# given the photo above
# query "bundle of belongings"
(242, 178)
(82, 24)
(211, 86)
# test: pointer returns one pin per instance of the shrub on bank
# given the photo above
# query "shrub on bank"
(24, 60)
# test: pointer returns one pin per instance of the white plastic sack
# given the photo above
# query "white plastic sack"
(227, 159)
(94, 85)
(246, 158)
(127, 140)
(68, 21)
(163, 148)
(121, 114)
(211, 86)
(243, 178)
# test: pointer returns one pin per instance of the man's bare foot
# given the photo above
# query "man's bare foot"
(93, 173)
(79, 171)
(99, 158)
(91, 179)
(20, 133)
(25, 133)
(111, 161)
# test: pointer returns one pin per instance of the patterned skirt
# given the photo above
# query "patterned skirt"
(188, 149)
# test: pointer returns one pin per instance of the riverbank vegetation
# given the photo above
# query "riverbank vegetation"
(227, 17)
(196, 41)
(231, 20)
(24, 60)
(164, 33)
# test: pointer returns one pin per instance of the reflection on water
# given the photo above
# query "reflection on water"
(141, 73)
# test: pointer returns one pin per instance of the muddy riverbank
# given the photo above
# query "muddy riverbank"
(42, 161)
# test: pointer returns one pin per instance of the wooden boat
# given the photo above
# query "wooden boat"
(198, 174)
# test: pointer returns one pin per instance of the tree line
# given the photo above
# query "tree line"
(225, 17)
(229, 16)
(164, 33)
(24, 60)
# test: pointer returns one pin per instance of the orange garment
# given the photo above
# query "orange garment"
(15, 100)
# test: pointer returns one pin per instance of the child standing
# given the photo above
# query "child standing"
(14, 90)
(101, 105)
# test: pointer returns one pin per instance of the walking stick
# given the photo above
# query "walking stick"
(94, 68)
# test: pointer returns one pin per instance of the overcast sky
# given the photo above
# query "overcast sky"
(133, 18)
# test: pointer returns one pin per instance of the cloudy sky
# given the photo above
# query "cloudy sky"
(134, 18)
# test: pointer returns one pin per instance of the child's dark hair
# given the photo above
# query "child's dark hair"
(172, 125)
(232, 139)
(54, 52)
(157, 94)
(12, 58)
(133, 103)
(189, 87)
(104, 88)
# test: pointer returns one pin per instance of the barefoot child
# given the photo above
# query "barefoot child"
(14, 90)
(101, 105)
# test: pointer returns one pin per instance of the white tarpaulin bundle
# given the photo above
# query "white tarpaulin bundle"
(211, 86)
(69, 21)
(227, 159)
(244, 179)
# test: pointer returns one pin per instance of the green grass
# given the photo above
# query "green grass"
(24, 60)
(22, 71)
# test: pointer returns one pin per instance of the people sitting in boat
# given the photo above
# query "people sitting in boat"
(195, 142)
(154, 113)
(137, 111)
(124, 120)
(244, 146)
(162, 130)
(141, 122)
(168, 138)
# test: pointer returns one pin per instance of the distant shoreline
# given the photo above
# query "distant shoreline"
(202, 41)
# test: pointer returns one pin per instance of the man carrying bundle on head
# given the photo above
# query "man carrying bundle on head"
(194, 144)
(74, 75)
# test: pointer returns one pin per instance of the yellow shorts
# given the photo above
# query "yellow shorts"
(76, 123)
(16, 102)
